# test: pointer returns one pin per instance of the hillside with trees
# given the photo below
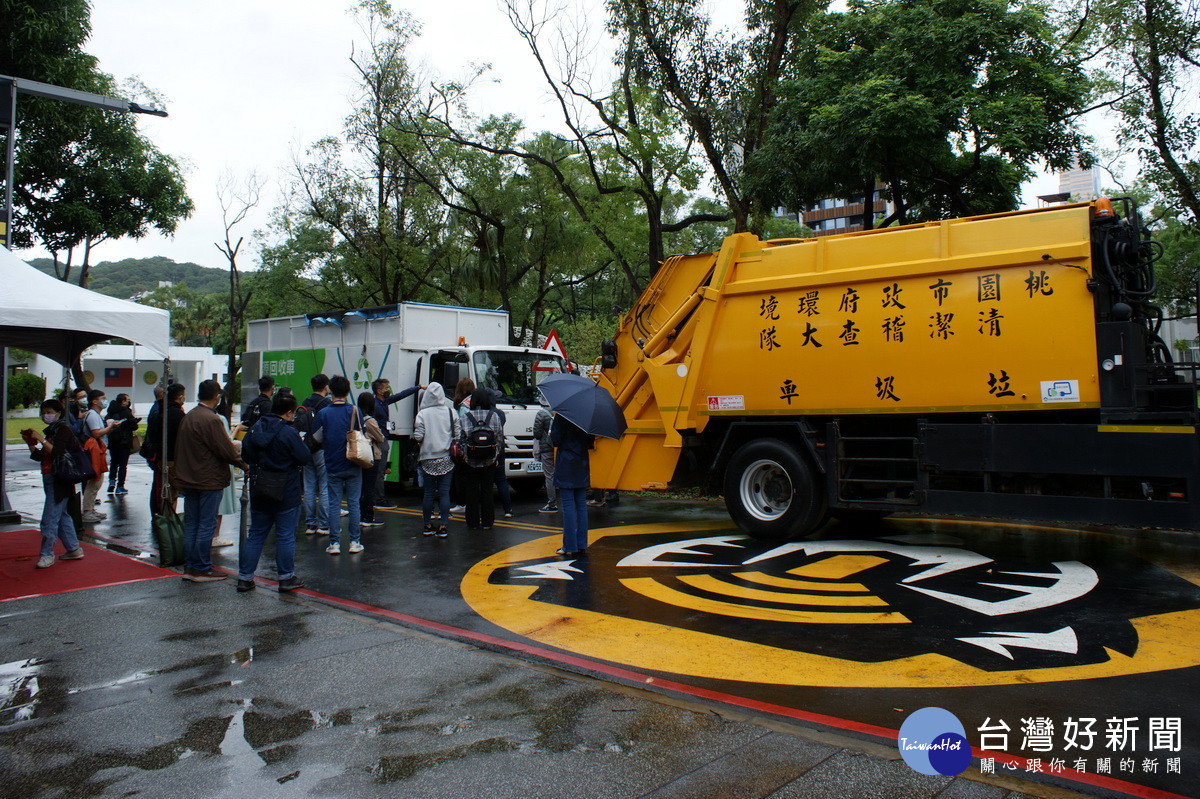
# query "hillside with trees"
(132, 276)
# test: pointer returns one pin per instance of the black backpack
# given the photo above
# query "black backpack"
(481, 442)
(303, 420)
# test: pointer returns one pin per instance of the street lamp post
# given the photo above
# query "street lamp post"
(10, 87)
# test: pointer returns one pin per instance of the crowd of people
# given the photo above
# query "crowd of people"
(305, 457)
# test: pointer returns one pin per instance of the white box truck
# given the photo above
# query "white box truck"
(408, 344)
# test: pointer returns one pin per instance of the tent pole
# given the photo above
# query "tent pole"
(7, 514)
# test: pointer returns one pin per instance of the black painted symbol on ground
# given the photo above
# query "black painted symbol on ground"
(920, 608)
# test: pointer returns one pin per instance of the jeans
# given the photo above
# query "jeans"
(380, 477)
(346, 484)
(262, 519)
(575, 521)
(316, 493)
(56, 522)
(477, 490)
(438, 484)
(367, 498)
(118, 458)
(200, 508)
(501, 478)
(546, 458)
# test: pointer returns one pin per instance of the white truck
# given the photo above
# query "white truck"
(408, 344)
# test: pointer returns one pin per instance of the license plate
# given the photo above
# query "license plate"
(533, 467)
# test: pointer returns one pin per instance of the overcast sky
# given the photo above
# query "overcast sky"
(248, 83)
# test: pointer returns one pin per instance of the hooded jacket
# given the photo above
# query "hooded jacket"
(273, 444)
(436, 425)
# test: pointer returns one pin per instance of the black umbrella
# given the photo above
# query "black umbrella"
(583, 403)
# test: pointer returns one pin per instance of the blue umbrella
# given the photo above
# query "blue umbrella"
(583, 403)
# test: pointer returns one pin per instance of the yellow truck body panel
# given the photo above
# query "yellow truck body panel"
(983, 314)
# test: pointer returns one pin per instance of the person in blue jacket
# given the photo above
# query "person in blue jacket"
(273, 445)
(572, 475)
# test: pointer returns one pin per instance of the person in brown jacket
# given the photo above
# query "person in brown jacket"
(202, 457)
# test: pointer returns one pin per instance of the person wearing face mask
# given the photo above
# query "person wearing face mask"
(120, 441)
(56, 521)
(97, 444)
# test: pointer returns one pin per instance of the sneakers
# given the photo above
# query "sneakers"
(549, 507)
(370, 524)
(333, 549)
(74, 554)
(385, 506)
(196, 576)
(508, 514)
(313, 531)
(45, 561)
(442, 532)
(245, 585)
(345, 512)
(595, 503)
(91, 516)
(290, 584)
(121, 491)
(355, 547)
(112, 488)
(428, 530)
(222, 542)
(459, 509)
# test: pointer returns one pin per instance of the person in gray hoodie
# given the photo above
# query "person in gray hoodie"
(436, 426)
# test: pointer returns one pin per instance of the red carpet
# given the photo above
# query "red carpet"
(20, 578)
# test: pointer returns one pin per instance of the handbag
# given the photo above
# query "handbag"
(167, 528)
(73, 466)
(268, 484)
(458, 452)
(358, 448)
(135, 444)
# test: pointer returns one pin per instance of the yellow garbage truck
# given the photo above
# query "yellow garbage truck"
(1006, 365)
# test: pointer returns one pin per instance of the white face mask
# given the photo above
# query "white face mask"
(49, 418)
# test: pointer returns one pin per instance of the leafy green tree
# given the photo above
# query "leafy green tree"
(82, 175)
(723, 86)
(1152, 54)
(948, 102)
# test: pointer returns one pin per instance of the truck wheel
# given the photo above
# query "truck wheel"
(770, 491)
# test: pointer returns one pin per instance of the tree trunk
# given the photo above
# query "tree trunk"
(868, 215)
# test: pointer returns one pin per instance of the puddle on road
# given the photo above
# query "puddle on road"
(20, 689)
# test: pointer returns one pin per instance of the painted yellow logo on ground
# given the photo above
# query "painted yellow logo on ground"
(916, 610)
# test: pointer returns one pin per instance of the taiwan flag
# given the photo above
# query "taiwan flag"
(118, 378)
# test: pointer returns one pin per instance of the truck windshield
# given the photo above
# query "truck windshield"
(515, 374)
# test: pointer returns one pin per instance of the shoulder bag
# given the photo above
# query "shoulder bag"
(358, 448)
(268, 484)
(458, 453)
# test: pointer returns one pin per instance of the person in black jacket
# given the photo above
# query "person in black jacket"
(260, 405)
(154, 450)
(273, 448)
(119, 442)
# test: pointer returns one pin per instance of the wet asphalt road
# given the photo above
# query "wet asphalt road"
(196, 687)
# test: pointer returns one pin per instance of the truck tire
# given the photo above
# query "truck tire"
(771, 492)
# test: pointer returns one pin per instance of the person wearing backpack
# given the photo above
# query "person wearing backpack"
(56, 525)
(260, 405)
(275, 452)
(436, 426)
(316, 483)
(482, 432)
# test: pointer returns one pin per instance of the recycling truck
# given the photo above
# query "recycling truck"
(1005, 365)
(408, 344)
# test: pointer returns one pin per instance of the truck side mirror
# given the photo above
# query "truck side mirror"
(608, 354)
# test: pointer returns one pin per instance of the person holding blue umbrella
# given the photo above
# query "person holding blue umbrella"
(582, 411)
(572, 475)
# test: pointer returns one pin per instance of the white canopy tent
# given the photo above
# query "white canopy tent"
(42, 314)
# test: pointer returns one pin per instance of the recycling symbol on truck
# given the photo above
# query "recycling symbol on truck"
(905, 610)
